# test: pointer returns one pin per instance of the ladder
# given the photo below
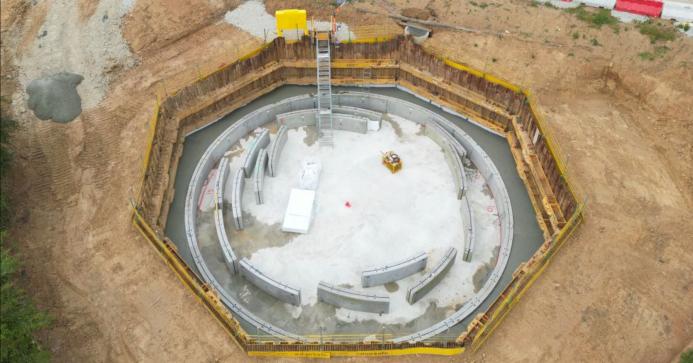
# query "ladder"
(324, 119)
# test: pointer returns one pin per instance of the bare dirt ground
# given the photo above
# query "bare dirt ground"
(620, 290)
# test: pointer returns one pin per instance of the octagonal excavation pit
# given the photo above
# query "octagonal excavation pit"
(364, 217)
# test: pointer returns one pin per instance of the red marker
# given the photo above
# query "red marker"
(347, 204)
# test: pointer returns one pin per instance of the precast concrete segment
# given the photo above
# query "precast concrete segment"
(275, 150)
(393, 272)
(341, 121)
(468, 223)
(297, 119)
(229, 256)
(454, 152)
(214, 152)
(237, 198)
(344, 122)
(421, 288)
(259, 175)
(375, 103)
(479, 158)
(360, 112)
(352, 299)
(272, 287)
(261, 141)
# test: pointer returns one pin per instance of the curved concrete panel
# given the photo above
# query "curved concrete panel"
(296, 119)
(360, 112)
(393, 272)
(272, 287)
(468, 223)
(237, 198)
(345, 122)
(259, 175)
(375, 103)
(275, 150)
(229, 256)
(340, 121)
(454, 152)
(261, 141)
(353, 300)
(421, 288)
(215, 151)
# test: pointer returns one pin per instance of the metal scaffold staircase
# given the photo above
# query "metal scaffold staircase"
(324, 89)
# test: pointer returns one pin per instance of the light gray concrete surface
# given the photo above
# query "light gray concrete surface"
(375, 103)
(261, 141)
(259, 176)
(237, 198)
(272, 287)
(395, 271)
(55, 97)
(352, 299)
(423, 286)
(275, 150)
(678, 11)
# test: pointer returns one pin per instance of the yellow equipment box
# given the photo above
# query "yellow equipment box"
(291, 19)
(392, 161)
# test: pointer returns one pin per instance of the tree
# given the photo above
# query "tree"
(19, 318)
(687, 356)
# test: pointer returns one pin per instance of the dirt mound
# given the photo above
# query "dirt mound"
(418, 13)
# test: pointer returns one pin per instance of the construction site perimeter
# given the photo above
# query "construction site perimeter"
(551, 168)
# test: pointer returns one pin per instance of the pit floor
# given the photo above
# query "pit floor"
(312, 318)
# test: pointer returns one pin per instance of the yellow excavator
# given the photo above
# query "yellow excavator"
(392, 161)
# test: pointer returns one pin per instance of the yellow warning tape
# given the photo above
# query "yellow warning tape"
(502, 311)
(361, 353)
(150, 144)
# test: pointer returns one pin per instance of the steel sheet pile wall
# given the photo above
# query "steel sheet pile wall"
(492, 102)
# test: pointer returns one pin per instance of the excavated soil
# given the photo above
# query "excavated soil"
(620, 290)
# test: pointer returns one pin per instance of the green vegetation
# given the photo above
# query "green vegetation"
(595, 17)
(19, 319)
(657, 31)
(576, 35)
(684, 26)
(595, 42)
(658, 53)
(687, 356)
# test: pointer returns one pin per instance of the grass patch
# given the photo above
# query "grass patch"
(684, 26)
(656, 31)
(594, 17)
(595, 42)
(658, 52)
